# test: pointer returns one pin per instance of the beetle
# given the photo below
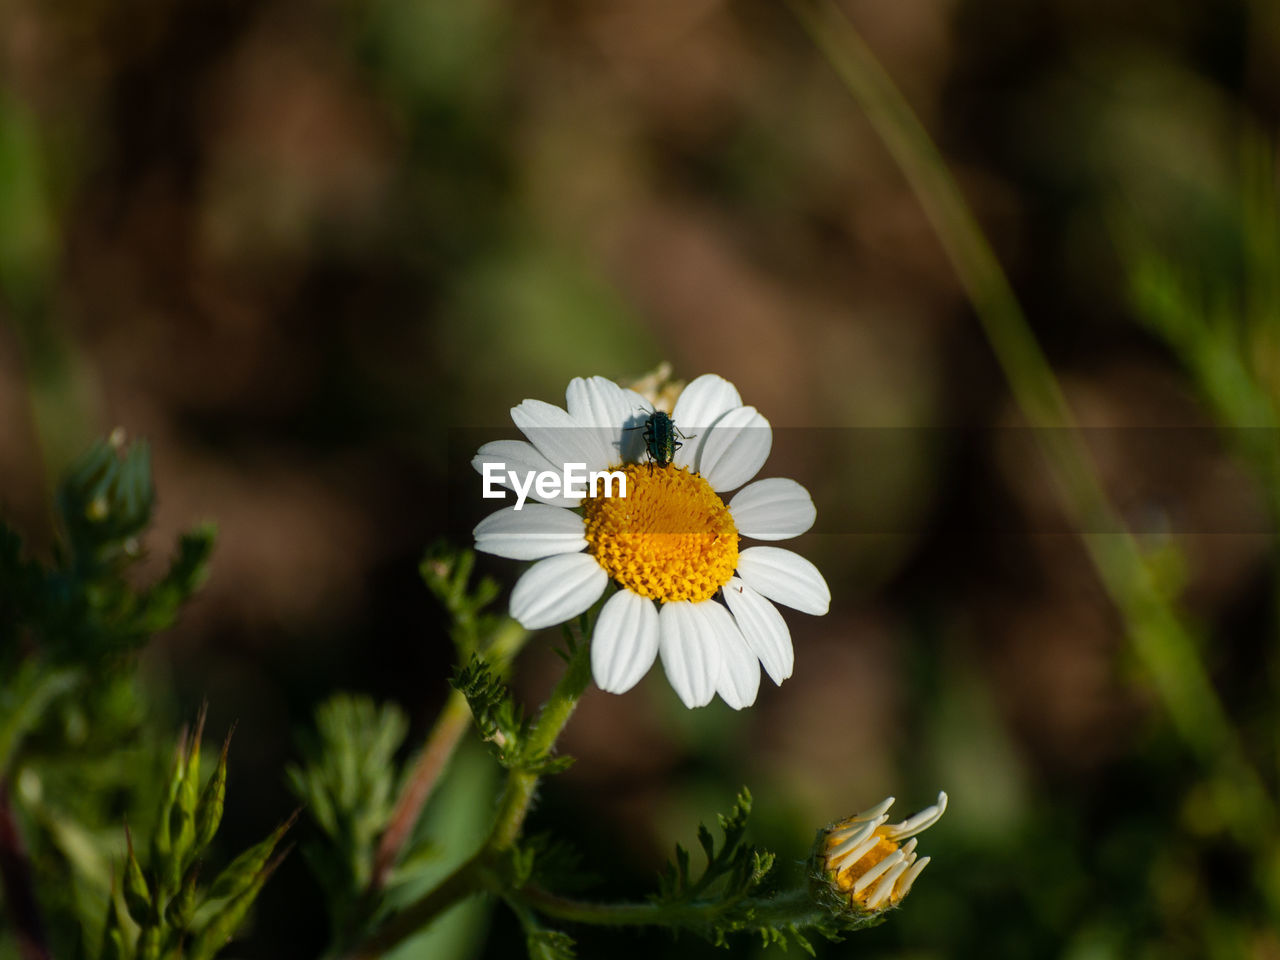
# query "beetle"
(660, 438)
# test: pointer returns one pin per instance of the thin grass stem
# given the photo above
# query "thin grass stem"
(1162, 640)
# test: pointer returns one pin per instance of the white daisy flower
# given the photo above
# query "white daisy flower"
(687, 591)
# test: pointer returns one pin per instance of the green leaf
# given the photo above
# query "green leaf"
(164, 863)
(23, 701)
(544, 944)
(447, 573)
(150, 941)
(540, 942)
(114, 944)
(498, 719)
(734, 871)
(348, 785)
(137, 895)
(522, 860)
(558, 865)
(113, 947)
(458, 819)
(184, 810)
(182, 907)
(224, 924)
(245, 870)
(212, 800)
(186, 574)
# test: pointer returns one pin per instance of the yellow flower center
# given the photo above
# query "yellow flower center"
(850, 875)
(670, 538)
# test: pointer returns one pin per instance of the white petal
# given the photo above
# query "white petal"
(773, 509)
(921, 821)
(700, 404)
(879, 812)
(909, 878)
(557, 589)
(843, 853)
(530, 533)
(735, 448)
(599, 402)
(559, 437)
(690, 651)
(786, 578)
(857, 853)
(880, 895)
(762, 628)
(739, 680)
(617, 414)
(625, 641)
(875, 872)
(705, 400)
(520, 456)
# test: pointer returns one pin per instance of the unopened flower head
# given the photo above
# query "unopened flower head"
(658, 387)
(869, 863)
(686, 589)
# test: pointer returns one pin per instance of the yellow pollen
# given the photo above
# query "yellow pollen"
(850, 875)
(670, 538)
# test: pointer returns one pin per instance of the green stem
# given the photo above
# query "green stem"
(466, 880)
(796, 907)
(1162, 641)
(439, 748)
(521, 784)
(476, 874)
(440, 745)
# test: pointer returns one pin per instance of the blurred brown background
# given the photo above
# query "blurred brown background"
(299, 246)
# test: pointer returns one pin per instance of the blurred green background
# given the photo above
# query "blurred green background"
(310, 251)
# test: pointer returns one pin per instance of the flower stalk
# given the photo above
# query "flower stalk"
(795, 907)
(521, 782)
(479, 873)
(442, 742)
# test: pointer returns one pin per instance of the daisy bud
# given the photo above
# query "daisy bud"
(658, 387)
(869, 863)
